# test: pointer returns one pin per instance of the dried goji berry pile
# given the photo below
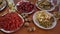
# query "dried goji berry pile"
(10, 21)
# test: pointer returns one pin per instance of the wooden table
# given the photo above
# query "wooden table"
(23, 30)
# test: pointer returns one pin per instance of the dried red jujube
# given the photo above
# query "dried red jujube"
(25, 7)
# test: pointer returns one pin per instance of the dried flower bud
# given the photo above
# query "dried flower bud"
(26, 15)
(26, 19)
(26, 24)
(29, 19)
(31, 29)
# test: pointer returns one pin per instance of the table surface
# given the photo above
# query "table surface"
(23, 30)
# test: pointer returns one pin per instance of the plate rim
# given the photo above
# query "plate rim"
(46, 10)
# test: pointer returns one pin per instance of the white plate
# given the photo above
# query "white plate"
(37, 23)
(25, 1)
(46, 10)
(4, 5)
(16, 29)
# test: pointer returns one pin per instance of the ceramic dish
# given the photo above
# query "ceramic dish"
(16, 29)
(52, 8)
(3, 5)
(25, 12)
(40, 26)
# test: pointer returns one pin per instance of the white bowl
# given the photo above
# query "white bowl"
(25, 1)
(37, 23)
(51, 9)
(16, 29)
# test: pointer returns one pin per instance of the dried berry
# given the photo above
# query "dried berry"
(25, 7)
